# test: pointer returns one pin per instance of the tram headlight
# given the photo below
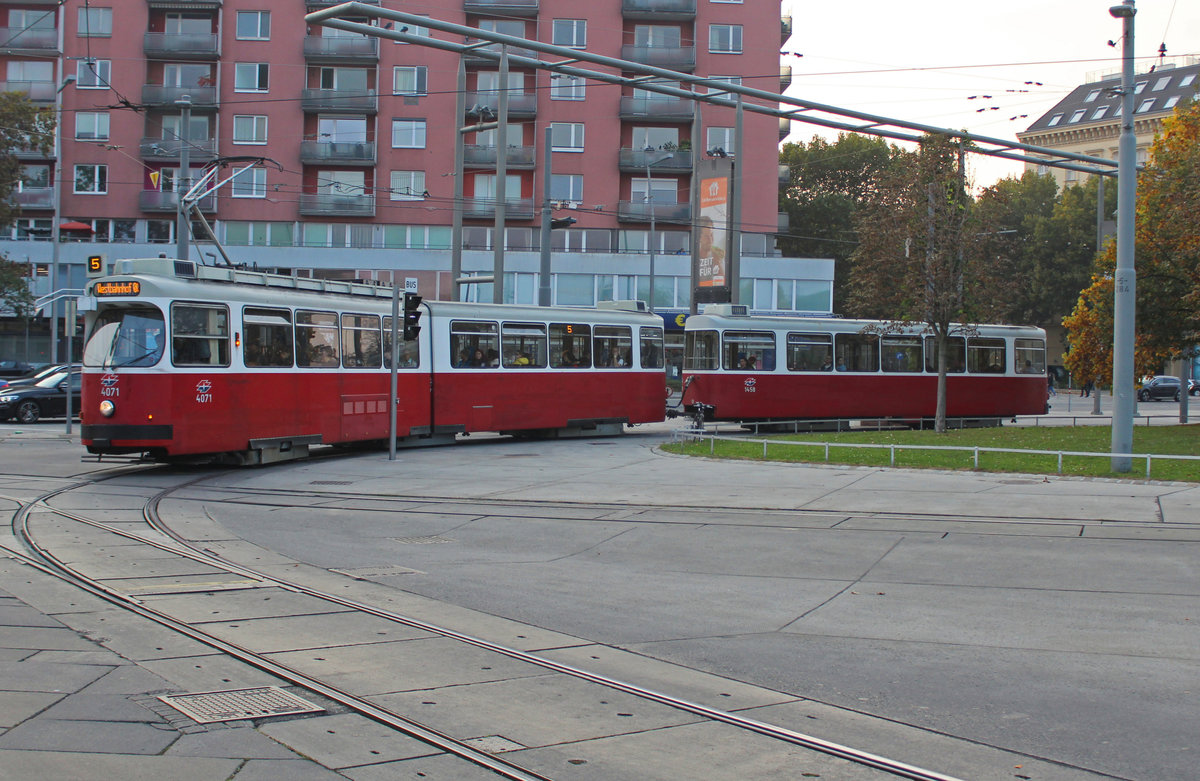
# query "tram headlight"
(107, 408)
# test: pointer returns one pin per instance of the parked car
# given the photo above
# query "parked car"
(10, 370)
(44, 399)
(1161, 387)
(37, 376)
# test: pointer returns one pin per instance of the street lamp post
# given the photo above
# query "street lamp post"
(55, 230)
(182, 228)
(1125, 279)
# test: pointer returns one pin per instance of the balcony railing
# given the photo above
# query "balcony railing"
(665, 10)
(520, 104)
(785, 127)
(190, 5)
(182, 46)
(159, 201)
(345, 152)
(159, 95)
(35, 198)
(501, 7)
(661, 161)
(785, 28)
(30, 38)
(485, 208)
(484, 156)
(495, 47)
(199, 150)
(639, 211)
(661, 109)
(358, 48)
(785, 77)
(674, 57)
(785, 174)
(337, 205)
(335, 100)
(37, 91)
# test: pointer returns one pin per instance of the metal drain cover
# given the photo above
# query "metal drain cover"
(209, 707)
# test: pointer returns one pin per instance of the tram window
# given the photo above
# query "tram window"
(901, 353)
(809, 352)
(856, 352)
(524, 345)
(126, 336)
(956, 354)
(652, 347)
(268, 337)
(1030, 355)
(986, 356)
(570, 345)
(361, 348)
(700, 351)
(410, 352)
(474, 345)
(317, 339)
(613, 346)
(199, 335)
(749, 350)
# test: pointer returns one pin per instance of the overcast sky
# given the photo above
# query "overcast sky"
(921, 61)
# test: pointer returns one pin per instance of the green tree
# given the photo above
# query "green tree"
(828, 183)
(22, 126)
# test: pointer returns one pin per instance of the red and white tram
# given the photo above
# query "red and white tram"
(738, 367)
(186, 360)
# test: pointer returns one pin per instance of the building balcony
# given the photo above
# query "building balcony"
(36, 40)
(337, 205)
(785, 175)
(785, 77)
(475, 59)
(785, 127)
(485, 156)
(159, 96)
(485, 208)
(201, 150)
(521, 105)
(661, 161)
(339, 101)
(37, 91)
(340, 152)
(661, 10)
(339, 49)
(313, 5)
(783, 221)
(680, 58)
(640, 211)
(501, 7)
(181, 46)
(661, 108)
(785, 29)
(159, 201)
(34, 197)
(186, 5)
(25, 152)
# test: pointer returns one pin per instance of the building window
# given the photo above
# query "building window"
(566, 136)
(1054, 120)
(1171, 101)
(1145, 106)
(91, 126)
(1141, 85)
(570, 32)
(414, 29)
(1161, 84)
(93, 74)
(1187, 80)
(408, 186)
(722, 138)
(251, 183)
(254, 25)
(725, 38)
(408, 134)
(249, 129)
(716, 90)
(566, 188)
(1078, 115)
(91, 179)
(1091, 96)
(95, 22)
(567, 87)
(250, 76)
(1099, 113)
(410, 80)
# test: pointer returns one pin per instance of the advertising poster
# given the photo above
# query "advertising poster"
(712, 234)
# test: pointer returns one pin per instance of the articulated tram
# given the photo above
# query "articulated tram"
(185, 360)
(743, 368)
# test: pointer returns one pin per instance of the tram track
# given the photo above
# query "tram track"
(161, 538)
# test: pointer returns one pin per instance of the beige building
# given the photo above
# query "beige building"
(1088, 120)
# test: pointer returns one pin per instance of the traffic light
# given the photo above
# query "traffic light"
(412, 316)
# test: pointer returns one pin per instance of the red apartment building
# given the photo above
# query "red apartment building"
(359, 134)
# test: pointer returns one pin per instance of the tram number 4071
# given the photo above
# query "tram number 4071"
(203, 392)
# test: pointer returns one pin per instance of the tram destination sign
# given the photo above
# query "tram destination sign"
(118, 288)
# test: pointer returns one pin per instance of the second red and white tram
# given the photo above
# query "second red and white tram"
(185, 360)
(742, 368)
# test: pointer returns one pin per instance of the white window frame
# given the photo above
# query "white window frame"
(573, 184)
(262, 20)
(99, 78)
(251, 183)
(261, 72)
(728, 34)
(95, 22)
(409, 133)
(407, 185)
(571, 33)
(722, 137)
(99, 177)
(413, 29)
(575, 132)
(1145, 105)
(419, 78)
(567, 87)
(258, 129)
(96, 119)
(715, 90)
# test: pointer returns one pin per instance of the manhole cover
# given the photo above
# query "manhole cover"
(209, 707)
(434, 540)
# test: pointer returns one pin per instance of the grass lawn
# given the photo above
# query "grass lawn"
(1174, 440)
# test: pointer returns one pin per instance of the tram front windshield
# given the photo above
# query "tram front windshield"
(132, 336)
